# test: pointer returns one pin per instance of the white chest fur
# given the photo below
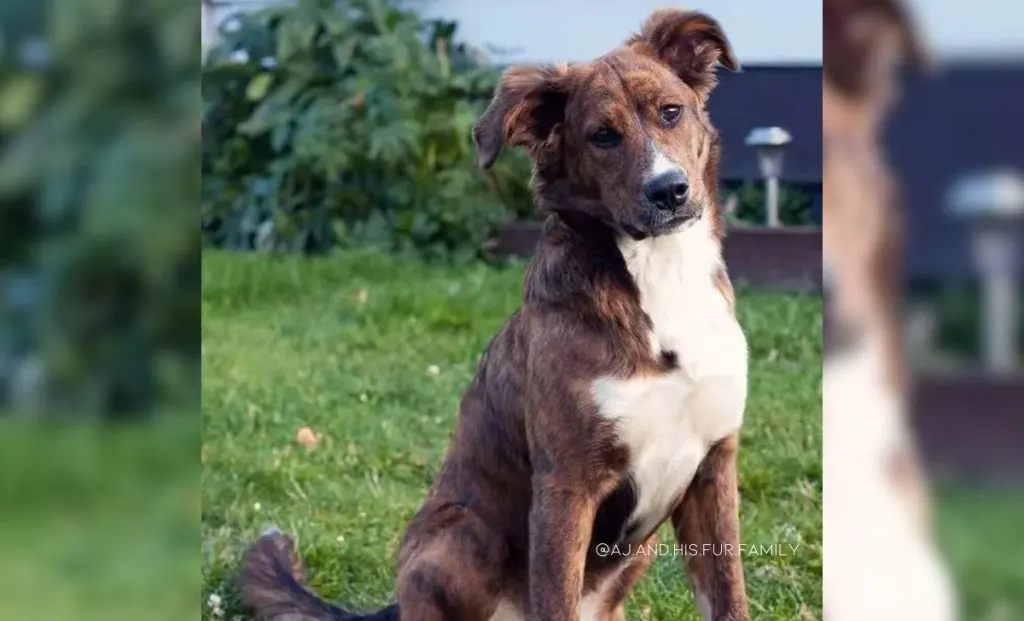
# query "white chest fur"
(670, 421)
(863, 427)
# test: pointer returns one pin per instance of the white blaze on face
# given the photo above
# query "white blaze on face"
(660, 165)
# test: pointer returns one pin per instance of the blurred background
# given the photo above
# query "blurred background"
(954, 145)
(951, 145)
(99, 308)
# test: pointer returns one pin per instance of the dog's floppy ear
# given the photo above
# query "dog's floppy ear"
(690, 43)
(840, 17)
(527, 106)
(851, 29)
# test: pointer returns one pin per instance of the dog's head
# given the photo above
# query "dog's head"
(866, 42)
(625, 137)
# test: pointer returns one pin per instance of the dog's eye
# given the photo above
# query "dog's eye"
(605, 137)
(670, 114)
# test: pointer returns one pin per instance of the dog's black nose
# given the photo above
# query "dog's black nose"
(667, 190)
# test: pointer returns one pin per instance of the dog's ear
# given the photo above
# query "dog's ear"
(527, 106)
(914, 52)
(852, 31)
(690, 43)
(842, 18)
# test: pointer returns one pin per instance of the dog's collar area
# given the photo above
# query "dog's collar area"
(838, 336)
(668, 228)
(582, 221)
(845, 144)
(585, 223)
(634, 233)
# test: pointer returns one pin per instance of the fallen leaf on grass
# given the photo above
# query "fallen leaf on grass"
(307, 438)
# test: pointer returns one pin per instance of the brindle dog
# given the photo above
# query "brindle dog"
(611, 401)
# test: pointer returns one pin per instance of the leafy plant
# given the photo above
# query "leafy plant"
(99, 260)
(957, 308)
(349, 123)
(794, 205)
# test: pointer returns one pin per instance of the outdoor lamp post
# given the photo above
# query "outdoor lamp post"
(770, 143)
(991, 203)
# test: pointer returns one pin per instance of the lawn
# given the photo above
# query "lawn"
(99, 522)
(979, 532)
(373, 353)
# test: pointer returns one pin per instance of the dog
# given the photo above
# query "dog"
(875, 491)
(610, 402)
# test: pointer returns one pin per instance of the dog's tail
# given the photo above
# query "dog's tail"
(272, 581)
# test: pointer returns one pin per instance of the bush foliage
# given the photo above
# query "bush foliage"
(99, 256)
(794, 205)
(330, 123)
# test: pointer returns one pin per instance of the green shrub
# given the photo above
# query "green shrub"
(957, 308)
(349, 123)
(99, 257)
(794, 205)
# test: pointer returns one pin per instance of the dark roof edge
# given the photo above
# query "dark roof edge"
(795, 65)
(787, 66)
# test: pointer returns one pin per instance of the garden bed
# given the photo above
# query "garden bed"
(971, 425)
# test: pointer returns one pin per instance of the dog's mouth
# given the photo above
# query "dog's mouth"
(675, 222)
(664, 225)
(663, 228)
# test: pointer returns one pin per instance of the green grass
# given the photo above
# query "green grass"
(346, 346)
(100, 522)
(979, 532)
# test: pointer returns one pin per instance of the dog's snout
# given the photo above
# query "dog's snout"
(668, 190)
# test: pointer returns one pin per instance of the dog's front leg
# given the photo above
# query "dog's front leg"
(707, 523)
(561, 520)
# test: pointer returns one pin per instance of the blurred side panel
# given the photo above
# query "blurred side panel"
(99, 309)
(924, 392)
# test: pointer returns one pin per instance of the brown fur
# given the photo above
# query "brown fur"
(709, 514)
(863, 224)
(551, 110)
(852, 33)
(533, 478)
(863, 230)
